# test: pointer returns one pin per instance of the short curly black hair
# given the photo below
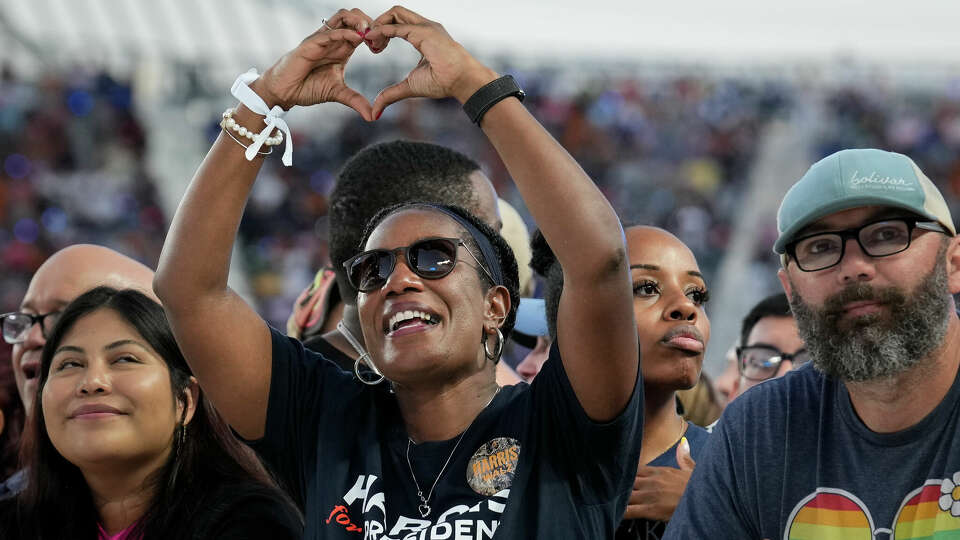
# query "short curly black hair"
(387, 174)
(505, 256)
(544, 262)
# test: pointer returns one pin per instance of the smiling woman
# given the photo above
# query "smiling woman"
(438, 450)
(122, 444)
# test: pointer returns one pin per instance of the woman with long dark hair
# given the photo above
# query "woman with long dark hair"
(123, 445)
(438, 449)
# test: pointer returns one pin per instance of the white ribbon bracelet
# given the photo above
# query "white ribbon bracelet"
(274, 116)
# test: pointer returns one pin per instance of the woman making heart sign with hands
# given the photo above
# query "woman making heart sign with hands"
(437, 450)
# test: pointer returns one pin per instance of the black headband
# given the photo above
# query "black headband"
(489, 256)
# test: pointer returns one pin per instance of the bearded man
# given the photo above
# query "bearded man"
(865, 441)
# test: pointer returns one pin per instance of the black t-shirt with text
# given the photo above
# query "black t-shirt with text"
(531, 465)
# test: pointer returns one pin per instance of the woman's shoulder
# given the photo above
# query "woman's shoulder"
(248, 510)
(697, 438)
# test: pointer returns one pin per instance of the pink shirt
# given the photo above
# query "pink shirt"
(122, 535)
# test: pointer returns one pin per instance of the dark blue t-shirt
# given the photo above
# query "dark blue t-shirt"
(531, 465)
(792, 460)
(647, 529)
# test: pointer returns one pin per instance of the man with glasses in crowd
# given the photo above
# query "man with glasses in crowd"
(860, 443)
(64, 276)
(773, 345)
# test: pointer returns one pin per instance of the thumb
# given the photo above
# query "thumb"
(684, 459)
(355, 100)
(389, 95)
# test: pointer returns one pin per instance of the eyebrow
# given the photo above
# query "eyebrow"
(881, 214)
(114, 345)
(656, 268)
(122, 342)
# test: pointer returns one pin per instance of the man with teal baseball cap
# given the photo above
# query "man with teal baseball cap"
(856, 178)
(862, 441)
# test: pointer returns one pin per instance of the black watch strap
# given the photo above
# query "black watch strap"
(491, 94)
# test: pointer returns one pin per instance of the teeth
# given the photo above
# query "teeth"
(404, 316)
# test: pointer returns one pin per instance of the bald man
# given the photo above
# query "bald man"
(61, 278)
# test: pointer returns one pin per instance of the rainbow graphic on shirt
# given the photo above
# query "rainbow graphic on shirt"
(830, 515)
(930, 512)
(922, 517)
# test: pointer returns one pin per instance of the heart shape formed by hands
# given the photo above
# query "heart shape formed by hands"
(314, 71)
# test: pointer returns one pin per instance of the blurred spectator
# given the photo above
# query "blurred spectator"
(772, 344)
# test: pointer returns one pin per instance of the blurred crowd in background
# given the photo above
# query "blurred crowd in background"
(674, 151)
(73, 170)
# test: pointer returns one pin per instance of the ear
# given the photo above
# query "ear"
(785, 282)
(191, 396)
(497, 306)
(953, 265)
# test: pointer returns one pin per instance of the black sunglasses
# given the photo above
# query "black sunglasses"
(430, 258)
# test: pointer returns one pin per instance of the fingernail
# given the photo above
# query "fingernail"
(361, 34)
(365, 32)
(685, 444)
(379, 114)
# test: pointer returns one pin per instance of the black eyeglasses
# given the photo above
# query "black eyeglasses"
(761, 362)
(16, 325)
(430, 258)
(877, 239)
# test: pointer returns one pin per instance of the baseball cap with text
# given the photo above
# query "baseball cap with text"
(854, 178)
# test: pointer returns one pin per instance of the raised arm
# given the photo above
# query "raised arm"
(225, 342)
(597, 335)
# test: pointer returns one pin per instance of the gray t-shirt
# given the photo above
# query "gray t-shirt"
(791, 459)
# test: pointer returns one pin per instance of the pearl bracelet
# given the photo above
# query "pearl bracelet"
(228, 123)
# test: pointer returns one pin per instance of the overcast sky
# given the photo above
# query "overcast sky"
(888, 31)
(731, 29)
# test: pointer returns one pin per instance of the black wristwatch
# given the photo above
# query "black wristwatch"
(491, 94)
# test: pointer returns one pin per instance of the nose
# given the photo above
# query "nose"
(529, 367)
(855, 265)
(402, 279)
(681, 308)
(95, 380)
